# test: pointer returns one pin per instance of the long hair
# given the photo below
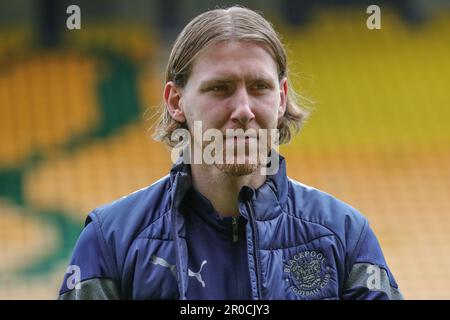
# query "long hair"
(210, 27)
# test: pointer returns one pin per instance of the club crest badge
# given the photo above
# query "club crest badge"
(308, 273)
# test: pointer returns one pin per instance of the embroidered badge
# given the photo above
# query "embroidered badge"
(308, 272)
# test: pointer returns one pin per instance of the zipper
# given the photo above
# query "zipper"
(235, 224)
(236, 252)
(255, 250)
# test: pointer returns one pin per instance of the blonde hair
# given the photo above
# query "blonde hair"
(210, 27)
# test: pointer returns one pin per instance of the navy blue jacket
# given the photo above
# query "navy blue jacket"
(301, 244)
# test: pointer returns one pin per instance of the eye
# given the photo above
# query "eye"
(260, 86)
(219, 88)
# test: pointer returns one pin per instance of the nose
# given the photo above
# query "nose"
(242, 112)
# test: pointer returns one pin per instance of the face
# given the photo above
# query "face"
(232, 85)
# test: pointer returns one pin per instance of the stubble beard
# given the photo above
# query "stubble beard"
(237, 170)
(241, 168)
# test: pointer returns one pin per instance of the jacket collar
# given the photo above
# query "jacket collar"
(278, 182)
(274, 189)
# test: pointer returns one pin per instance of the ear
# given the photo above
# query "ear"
(172, 98)
(283, 97)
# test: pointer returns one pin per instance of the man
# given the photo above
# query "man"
(228, 229)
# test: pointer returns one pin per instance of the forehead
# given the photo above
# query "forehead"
(234, 59)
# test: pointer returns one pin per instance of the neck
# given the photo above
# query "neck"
(222, 189)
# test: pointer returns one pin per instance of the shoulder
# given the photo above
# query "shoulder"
(322, 210)
(129, 215)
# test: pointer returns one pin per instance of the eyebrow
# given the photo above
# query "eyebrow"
(229, 79)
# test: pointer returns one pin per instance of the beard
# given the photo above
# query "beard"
(245, 157)
(244, 163)
(237, 170)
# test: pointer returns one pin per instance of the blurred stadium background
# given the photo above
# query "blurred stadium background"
(74, 110)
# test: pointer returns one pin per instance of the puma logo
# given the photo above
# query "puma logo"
(160, 261)
(197, 275)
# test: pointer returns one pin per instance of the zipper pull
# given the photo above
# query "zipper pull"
(235, 223)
